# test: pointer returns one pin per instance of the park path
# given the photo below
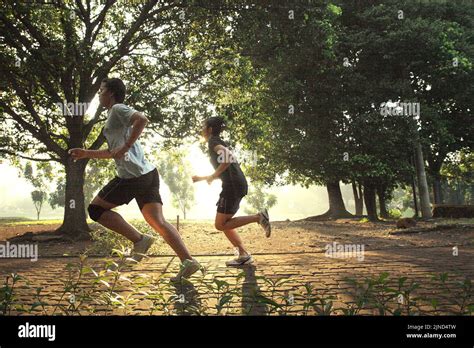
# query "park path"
(325, 274)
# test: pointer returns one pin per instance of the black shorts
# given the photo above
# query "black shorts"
(228, 203)
(145, 189)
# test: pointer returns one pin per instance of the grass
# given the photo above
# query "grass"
(8, 220)
(447, 221)
(31, 222)
(21, 221)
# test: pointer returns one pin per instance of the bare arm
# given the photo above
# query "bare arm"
(226, 154)
(78, 154)
(138, 121)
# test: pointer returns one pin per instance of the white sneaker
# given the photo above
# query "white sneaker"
(240, 261)
(141, 247)
(265, 222)
(187, 269)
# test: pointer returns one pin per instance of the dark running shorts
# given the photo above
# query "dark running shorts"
(145, 189)
(228, 203)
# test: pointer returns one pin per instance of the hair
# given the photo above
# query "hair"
(217, 124)
(117, 87)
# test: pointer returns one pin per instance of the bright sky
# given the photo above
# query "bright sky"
(15, 193)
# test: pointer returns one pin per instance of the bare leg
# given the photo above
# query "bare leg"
(225, 220)
(115, 221)
(236, 241)
(153, 214)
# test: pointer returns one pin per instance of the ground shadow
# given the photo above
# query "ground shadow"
(187, 300)
(250, 290)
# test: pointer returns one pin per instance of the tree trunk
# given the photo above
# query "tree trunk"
(422, 183)
(38, 206)
(75, 223)
(459, 193)
(413, 187)
(435, 162)
(370, 202)
(382, 202)
(358, 198)
(337, 209)
(437, 191)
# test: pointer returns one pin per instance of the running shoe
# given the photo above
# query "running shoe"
(187, 269)
(141, 247)
(240, 261)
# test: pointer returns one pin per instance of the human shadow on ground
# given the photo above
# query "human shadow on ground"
(250, 291)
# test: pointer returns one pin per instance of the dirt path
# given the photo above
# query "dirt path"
(295, 251)
(302, 236)
(8, 231)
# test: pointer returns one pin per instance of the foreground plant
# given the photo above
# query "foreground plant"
(108, 289)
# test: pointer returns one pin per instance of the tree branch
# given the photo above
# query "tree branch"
(122, 47)
(88, 127)
(12, 153)
(175, 88)
(36, 54)
(98, 142)
(39, 133)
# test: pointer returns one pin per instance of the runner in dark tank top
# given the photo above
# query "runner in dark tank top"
(234, 188)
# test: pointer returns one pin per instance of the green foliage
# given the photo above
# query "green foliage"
(7, 294)
(223, 293)
(321, 78)
(163, 69)
(457, 175)
(176, 173)
(303, 92)
(459, 292)
(38, 198)
(37, 176)
(402, 199)
(109, 289)
(293, 62)
(105, 241)
(395, 213)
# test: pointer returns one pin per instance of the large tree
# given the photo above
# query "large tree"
(56, 55)
(417, 53)
(306, 91)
